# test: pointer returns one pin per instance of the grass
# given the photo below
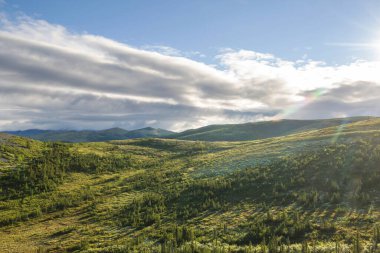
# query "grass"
(221, 190)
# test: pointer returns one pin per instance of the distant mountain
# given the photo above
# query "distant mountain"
(149, 132)
(29, 132)
(91, 135)
(227, 132)
(260, 130)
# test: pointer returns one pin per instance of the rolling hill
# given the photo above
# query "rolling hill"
(259, 130)
(90, 135)
(309, 191)
(227, 132)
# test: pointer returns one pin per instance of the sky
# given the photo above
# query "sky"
(177, 65)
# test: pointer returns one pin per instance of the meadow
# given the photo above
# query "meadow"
(310, 191)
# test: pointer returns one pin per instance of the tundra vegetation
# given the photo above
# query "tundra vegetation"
(310, 191)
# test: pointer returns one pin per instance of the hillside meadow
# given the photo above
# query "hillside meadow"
(310, 191)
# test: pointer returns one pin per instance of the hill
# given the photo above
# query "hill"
(259, 130)
(227, 132)
(310, 191)
(90, 135)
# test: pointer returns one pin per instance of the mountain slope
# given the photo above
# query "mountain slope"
(315, 189)
(148, 132)
(90, 135)
(228, 132)
(259, 130)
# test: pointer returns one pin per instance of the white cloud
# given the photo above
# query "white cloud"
(170, 51)
(282, 83)
(52, 78)
(165, 50)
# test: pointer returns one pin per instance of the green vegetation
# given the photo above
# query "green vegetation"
(89, 135)
(228, 132)
(312, 191)
(259, 130)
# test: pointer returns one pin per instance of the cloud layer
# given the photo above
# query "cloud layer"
(51, 78)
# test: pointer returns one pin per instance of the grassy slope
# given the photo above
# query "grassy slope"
(14, 150)
(92, 220)
(92, 136)
(228, 132)
(259, 130)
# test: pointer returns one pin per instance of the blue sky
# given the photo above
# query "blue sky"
(287, 29)
(185, 64)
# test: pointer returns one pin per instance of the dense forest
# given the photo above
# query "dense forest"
(314, 191)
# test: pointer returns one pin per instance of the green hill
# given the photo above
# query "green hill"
(227, 132)
(311, 191)
(90, 135)
(259, 130)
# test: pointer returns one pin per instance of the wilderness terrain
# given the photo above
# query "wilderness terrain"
(310, 187)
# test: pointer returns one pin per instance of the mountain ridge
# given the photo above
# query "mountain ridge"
(90, 135)
(261, 130)
(221, 132)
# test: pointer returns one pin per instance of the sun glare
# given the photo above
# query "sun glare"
(377, 46)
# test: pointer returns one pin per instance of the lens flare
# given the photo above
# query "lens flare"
(295, 108)
(309, 99)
